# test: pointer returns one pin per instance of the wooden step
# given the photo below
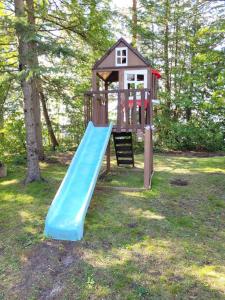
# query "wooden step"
(129, 155)
(122, 142)
(119, 134)
(123, 148)
(125, 162)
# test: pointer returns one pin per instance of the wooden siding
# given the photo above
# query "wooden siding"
(133, 59)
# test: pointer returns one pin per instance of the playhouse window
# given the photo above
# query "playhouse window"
(135, 79)
(121, 56)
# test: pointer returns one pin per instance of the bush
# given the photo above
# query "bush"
(194, 135)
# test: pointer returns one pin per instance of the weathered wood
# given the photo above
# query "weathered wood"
(142, 110)
(126, 120)
(134, 112)
(124, 148)
(106, 103)
(94, 88)
(124, 134)
(125, 161)
(122, 141)
(148, 109)
(91, 93)
(119, 109)
(147, 145)
(126, 109)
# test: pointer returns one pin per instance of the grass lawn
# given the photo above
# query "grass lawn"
(167, 243)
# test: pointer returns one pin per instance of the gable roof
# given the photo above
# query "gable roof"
(136, 52)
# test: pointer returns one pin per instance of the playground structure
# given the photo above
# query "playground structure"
(121, 111)
(136, 90)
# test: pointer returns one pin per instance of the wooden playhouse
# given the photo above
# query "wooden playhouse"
(124, 87)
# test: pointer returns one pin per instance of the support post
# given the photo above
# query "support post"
(147, 157)
(95, 104)
(108, 158)
(107, 122)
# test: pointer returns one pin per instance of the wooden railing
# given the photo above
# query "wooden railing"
(133, 108)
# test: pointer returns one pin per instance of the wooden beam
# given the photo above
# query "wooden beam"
(147, 158)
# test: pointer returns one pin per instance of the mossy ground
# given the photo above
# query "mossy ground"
(166, 243)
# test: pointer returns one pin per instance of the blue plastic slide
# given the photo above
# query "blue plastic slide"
(65, 218)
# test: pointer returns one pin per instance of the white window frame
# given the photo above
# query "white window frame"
(135, 81)
(121, 56)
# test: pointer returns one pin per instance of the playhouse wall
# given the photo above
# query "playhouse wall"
(133, 60)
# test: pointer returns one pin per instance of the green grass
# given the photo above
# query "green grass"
(167, 243)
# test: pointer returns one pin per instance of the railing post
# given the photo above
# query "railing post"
(134, 112)
(142, 110)
(126, 109)
(119, 112)
(106, 104)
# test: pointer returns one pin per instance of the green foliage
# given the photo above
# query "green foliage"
(193, 135)
(187, 48)
(12, 144)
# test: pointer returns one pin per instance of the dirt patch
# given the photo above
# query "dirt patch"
(45, 269)
(132, 225)
(179, 182)
(61, 158)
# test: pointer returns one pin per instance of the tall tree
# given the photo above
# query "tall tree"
(33, 58)
(28, 86)
(134, 24)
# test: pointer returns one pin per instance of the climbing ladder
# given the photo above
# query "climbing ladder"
(123, 148)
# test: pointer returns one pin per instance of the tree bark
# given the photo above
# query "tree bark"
(134, 24)
(36, 96)
(47, 120)
(166, 54)
(27, 83)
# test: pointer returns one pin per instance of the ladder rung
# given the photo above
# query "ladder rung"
(125, 155)
(123, 148)
(125, 162)
(121, 142)
(120, 134)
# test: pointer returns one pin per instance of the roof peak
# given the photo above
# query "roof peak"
(120, 40)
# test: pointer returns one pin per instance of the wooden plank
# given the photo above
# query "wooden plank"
(142, 110)
(119, 110)
(123, 148)
(114, 91)
(139, 67)
(122, 141)
(115, 148)
(126, 109)
(125, 155)
(125, 162)
(122, 134)
(147, 171)
(151, 153)
(148, 110)
(106, 103)
(134, 113)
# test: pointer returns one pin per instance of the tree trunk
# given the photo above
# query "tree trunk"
(166, 54)
(33, 170)
(134, 24)
(48, 121)
(36, 96)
